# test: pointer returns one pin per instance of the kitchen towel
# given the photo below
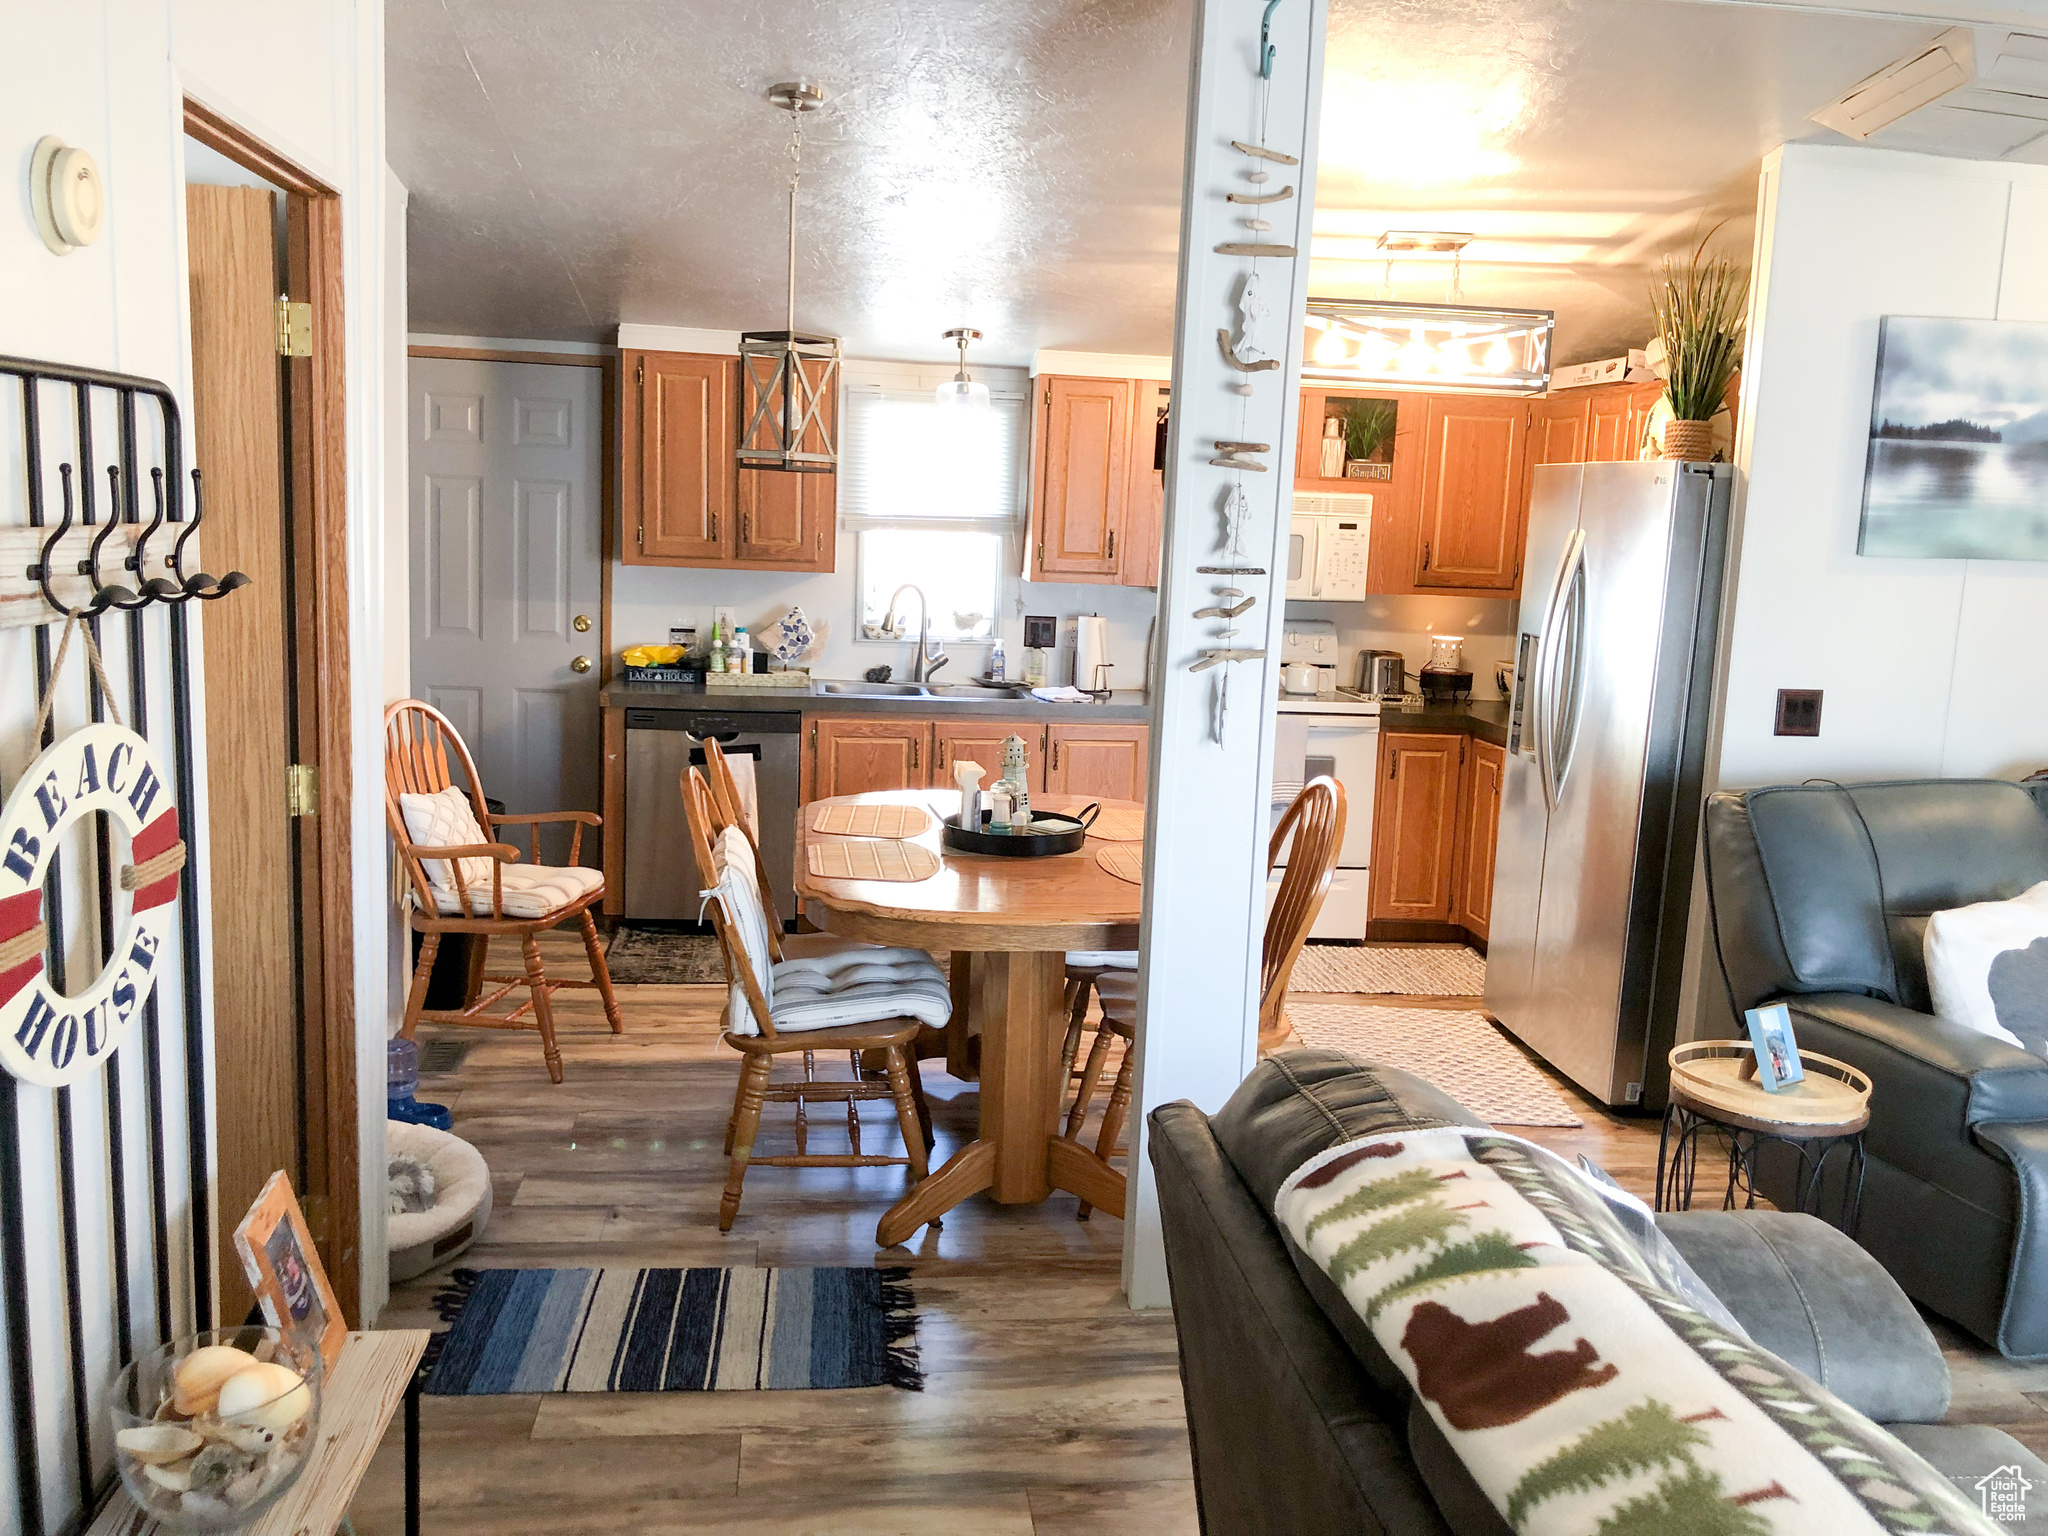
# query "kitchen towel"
(742, 766)
(1290, 758)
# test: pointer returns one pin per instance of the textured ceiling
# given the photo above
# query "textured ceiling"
(1015, 164)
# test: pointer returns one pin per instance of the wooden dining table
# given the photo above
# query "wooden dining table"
(1008, 924)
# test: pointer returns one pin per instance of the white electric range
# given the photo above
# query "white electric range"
(1338, 732)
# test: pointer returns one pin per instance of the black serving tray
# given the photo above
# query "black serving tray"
(1050, 832)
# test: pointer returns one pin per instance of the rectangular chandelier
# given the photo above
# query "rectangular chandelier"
(787, 381)
(1446, 348)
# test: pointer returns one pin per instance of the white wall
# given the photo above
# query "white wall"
(1929, 667)
(109, 77)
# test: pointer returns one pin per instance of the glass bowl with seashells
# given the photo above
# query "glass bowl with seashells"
(210, 1429)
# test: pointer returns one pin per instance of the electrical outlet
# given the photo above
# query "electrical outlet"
(1798, 712)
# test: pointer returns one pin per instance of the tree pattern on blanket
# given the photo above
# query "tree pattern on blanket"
(1649, 1437)
(1482, 1375)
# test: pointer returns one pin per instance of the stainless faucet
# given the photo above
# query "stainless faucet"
(924, 662)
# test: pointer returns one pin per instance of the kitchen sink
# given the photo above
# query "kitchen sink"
(972, 691)
(876, 690)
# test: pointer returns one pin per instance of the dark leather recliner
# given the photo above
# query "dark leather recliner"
(1820, 897)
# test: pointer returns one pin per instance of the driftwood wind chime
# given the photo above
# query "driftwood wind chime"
(1251, 354)
(100, 564)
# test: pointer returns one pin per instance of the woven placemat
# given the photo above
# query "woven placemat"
(1119, 827)
(870, 820)
(1124, 860)
(875, 860)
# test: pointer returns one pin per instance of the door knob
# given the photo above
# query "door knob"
(580, 664)
(581, 623)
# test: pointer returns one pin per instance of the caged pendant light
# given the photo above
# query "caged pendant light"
(788, 379)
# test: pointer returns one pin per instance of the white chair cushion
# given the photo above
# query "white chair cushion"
(1118, 994)
(1987, 964)
(525, 890)
(1103, 959)
(447, 819)
(738, 893)
(861, 986)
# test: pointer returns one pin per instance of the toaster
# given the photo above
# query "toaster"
(1382, 672)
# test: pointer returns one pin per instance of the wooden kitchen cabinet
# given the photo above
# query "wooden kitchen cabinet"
(1145, 506)
(676, 456)
(857, 754)
(1080, 485)
(975, 740)
(1474, 493)
(1102, 762)
(685, 500)
(1478, 832)
(1415, 827)
(1558, 428)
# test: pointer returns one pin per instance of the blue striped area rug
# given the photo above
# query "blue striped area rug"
(673, 1330)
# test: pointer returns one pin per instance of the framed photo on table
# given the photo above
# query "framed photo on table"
(1777, 1053)
(284, 1267)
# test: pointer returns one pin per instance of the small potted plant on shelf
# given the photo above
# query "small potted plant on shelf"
(1368, 433)
(1700, 306)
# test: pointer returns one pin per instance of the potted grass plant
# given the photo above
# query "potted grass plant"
(1699, 304)
(1368, 429)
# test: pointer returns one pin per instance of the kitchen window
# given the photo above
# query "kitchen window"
(932, 497)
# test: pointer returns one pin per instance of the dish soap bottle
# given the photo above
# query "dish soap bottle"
(716, 662)
(1017, 780)
(996, 662)
(739, 655)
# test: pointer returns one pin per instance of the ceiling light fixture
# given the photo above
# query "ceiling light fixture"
(960, 392)
(1461, 347)
(788, 379)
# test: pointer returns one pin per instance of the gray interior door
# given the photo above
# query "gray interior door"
(505, 536)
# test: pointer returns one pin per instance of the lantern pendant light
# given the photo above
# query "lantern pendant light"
(960, 392)
(788, 379)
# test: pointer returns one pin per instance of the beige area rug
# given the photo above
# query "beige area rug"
(1465, 1054)
(1437, 970)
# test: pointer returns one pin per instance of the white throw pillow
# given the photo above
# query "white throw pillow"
(446, 819)
(1987, 967)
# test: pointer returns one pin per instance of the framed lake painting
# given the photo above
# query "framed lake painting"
(1958, 461)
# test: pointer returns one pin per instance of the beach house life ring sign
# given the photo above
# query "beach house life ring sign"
(47, 1037)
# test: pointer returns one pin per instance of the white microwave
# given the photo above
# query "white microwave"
(1327, 544)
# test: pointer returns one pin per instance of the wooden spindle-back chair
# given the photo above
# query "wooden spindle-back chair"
(423, 752)
(1315, 823)
(888, 1038)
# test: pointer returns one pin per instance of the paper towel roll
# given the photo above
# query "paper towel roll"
(1091, 651)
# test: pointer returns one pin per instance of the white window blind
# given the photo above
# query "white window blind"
(904, 456)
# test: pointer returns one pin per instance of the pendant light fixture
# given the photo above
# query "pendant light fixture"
(789, 380)
(1454, 346)
(960, 392)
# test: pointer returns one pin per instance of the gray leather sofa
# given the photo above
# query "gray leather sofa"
(1820, 896)
(1300, 1425)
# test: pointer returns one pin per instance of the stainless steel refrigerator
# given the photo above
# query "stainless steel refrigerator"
(1600, 804)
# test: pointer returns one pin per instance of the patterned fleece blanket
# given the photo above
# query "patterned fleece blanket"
(1583, 1394)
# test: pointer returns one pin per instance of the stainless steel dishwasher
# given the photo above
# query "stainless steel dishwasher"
(661, 875)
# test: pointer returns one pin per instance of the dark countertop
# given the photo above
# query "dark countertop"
(1122, 706)
(1486, 719)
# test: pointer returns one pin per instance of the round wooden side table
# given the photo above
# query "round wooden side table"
(1714, 1091)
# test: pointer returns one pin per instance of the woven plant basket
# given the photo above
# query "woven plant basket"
(1689, 440)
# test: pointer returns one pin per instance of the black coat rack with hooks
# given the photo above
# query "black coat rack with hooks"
(106, 565)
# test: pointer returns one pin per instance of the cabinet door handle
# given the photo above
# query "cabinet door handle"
(1112, 544)
(1393, 764)
(1425, 554)
(1055, 756)
(746, 528)
(714, 528)
(1461, 750)
(939, 763)
(913, 751)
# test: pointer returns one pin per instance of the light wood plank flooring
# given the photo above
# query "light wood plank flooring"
(1050, 1408)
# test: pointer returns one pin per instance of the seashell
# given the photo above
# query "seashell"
(247, 1488)
(200, 1374)
(270, 1396)
(158, 1444)
(1256, 176)
(174, 1479)
(253, 1438)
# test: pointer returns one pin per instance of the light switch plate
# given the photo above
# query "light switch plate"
(1798, 712)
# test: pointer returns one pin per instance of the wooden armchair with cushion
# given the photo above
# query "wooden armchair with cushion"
(461, 881)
